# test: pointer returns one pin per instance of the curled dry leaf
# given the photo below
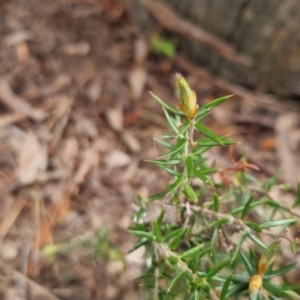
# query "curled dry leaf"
(17, 37)
(79, 49)
(131, 141)
(117, 159)
(140, 51)
(23, 52)
(68, 153)
(32, 156)
(33, 159)
(137, 81)
(9, 250)
(90, 159)
(85, 126)
(16, 103)
(94, 88)
(115, 117)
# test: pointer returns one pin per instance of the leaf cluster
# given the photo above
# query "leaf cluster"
(220, 243)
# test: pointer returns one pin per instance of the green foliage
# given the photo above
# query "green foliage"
(163, 46)
(214, 248)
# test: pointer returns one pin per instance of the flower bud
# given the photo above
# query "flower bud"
(268, 257)
(188, 100)
(255, 284)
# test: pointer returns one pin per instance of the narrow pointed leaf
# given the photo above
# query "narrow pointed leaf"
(285, 222)
(202, 115)
(216, 202)
(253, 226)
(190, 193)
(214, 237)
(297, 200)
(168, 106)
(157, 196)
(171, 121)
(240, 278)
(237, 289)
(248, 201)
(174, 233)
(238, 247)
(294, 247)
(192, 251)
(170, 171)
(190, 167)
(252, 205)
(209, 133)
(143, 234)
(216, 102)
(175, 280)
(173, 187)
(157, 227)
(202, 176)
(141, 242)
(164, 143)
(276, 290)
(225, 288)
(176, 148)
(165, 161)
(218, 267)
(185, 126)
(209, 142)
(140, 214)
(255, 296)
(219, 222)
(201, 150)
(203, 252)
(246, 263)
(157, 232)
(177, 239)
(168, 136)
(280, 271)
(256, 240)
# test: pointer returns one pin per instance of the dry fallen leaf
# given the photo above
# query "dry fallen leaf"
(131, 141)
(17, 37)
(68, 153)
(23, 52)
(117, 159)
(115, 117)
(86, 126)
(79, 49)
(90, 158)
(94, 88)
(32, 156)
(19, 105)
(137, 81)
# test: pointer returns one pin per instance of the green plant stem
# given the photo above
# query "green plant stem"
(191, 136)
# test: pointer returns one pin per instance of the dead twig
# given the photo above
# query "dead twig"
(17, 104)
(11, 118)
(10, 218)
(35, 289)
(173, 22)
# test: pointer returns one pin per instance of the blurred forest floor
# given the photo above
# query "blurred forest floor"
(77, 123)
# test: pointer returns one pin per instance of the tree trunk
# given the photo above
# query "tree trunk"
(266, 31)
